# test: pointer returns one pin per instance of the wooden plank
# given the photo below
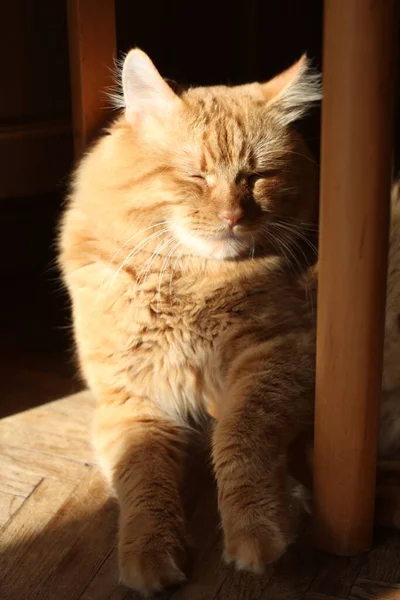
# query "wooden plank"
(365, 589)
(383, 562)
(28, 573)
(81, 405)
(28, 467)
(206, 569)
(78, 408)
(92, 46)
(80, 564)
(15, 435)
(292, 575)
(9, 505)
(241, 585)
(288, 579)
(21, 533)
(313, 596)
(356, 170)
(50, 420)
(337, 575)
(105, 584)
(16, 480)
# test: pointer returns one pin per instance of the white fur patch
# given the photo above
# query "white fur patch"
(218, 249)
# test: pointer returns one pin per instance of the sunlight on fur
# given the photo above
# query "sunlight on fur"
(188, 249)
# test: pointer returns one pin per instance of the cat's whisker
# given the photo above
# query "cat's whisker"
(141, 279)
(282, 246)
(132, 253)
(263, 153)
(112, 259)
(295, 221)
(144, 271)
(271, 240)
(173, 271)
(294, 234)
(140, 246)
(299, 224)
(264, 161)
(165, 245)
(303, 156)
(133, 237)
(296, 231)
(287, 244)
(163, 267)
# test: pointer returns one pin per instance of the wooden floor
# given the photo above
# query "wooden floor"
(58, 523)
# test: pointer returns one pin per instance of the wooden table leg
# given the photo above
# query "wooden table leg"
(356, 169)
(92, 47)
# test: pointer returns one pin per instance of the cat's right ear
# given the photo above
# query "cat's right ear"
(291, 93)
(145, 91)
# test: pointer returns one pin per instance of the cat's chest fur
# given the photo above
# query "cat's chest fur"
(179, 326)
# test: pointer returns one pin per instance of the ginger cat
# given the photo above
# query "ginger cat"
(184, 249)
(181, 248)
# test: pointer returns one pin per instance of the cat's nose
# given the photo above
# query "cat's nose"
(231, 217)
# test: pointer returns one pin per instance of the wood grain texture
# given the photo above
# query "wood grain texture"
(58, 531)
(383, 563)
(18, 537)
(23, 468)
(16, 480)
(357, 145)
(9, 505)
(52, 545)
(104, 585)
(92, 46)
(81, 563)
(24, 436)
(313, 596)
(365, 589)
(336, 575)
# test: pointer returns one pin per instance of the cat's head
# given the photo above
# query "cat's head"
(221, 167)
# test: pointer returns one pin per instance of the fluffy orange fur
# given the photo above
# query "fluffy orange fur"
(184, 250)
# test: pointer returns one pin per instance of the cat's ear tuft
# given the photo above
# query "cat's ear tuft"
(144, 90)
(291, 93)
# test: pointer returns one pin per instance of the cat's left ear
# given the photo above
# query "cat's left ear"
(145, 91)
(291, 93)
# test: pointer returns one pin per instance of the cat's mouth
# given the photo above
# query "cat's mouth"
(220, 245)
(224, 238)
(230, 234)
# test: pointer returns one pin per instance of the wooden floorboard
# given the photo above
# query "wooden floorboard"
(58, 524)
(9, 504)
(337, 575)
(365, 588)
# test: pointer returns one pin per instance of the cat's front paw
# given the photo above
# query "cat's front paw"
(254, 539)
(253, 549)
(151, 562)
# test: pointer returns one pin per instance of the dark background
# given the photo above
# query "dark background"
(207, 43)
(199, 43)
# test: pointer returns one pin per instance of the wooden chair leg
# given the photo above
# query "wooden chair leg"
(92, 47)
(356, 169)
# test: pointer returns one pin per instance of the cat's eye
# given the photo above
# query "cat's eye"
(199, 178)
(253, 178)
